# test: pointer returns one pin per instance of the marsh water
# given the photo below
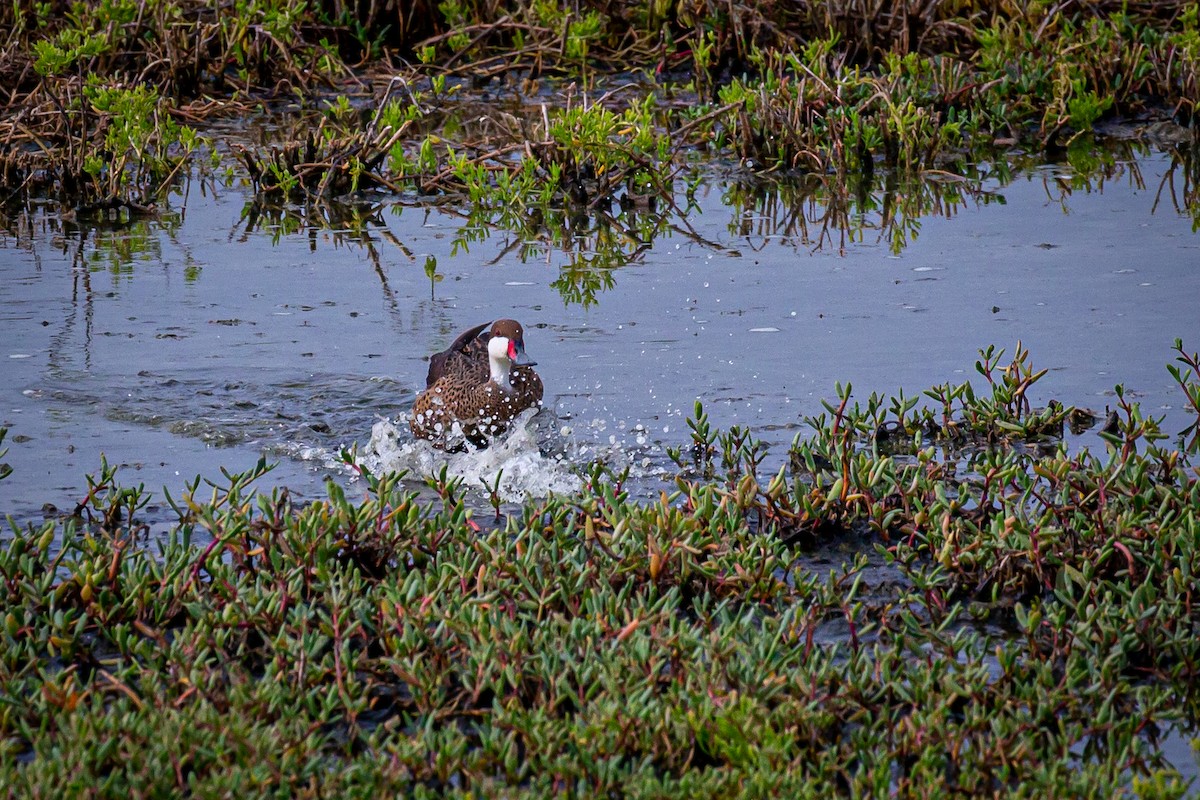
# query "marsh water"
(222, 332)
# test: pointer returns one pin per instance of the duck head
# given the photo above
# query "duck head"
(511, 330)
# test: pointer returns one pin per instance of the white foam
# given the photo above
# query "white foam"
(540, 455)
(330, 460)
(533, 456)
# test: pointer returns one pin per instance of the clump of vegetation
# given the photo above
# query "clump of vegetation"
(1045, 78)
(829, 89)
(327, 163)
(5, 469)
(181, 47)
(95, 92)
(595, 644)
(105, 148)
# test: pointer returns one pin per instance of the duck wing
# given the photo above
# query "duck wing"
(460, 354)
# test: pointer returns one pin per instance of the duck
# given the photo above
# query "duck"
(481, 382)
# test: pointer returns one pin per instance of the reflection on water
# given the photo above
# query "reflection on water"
(817, 213)
(802, 211)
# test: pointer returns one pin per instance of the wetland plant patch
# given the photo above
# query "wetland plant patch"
(535, 107)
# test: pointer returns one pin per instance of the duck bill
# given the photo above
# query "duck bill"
(516, 354)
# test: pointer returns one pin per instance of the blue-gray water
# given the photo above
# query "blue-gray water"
(201, 341)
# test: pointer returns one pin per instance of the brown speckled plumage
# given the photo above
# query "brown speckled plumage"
(460, 387)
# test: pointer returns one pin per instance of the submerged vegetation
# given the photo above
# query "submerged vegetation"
(1019, 619)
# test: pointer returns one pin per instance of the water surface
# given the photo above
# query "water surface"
(217, 334)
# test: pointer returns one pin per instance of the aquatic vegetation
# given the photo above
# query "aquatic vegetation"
(823, 89)
(837, 86)
(1116, 61)
(672, 647)
(96, 91)
(5, 469)
(579, 156)
(178, 47)
(120, 151)
(326, 164)
(1187, 377)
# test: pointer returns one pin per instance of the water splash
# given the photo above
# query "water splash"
(534, 458)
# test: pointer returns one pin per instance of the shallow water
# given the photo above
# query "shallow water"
(203, 340)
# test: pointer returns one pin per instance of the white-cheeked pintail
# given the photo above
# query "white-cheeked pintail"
(482, 381)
